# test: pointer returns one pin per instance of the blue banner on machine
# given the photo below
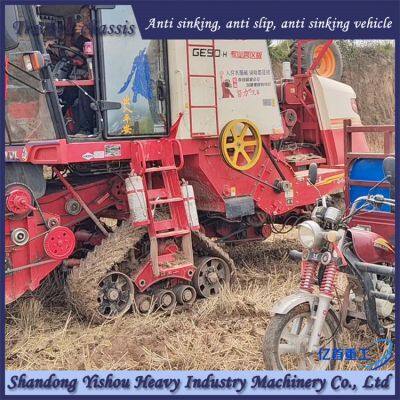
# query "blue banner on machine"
(267, 19)
(200, 382)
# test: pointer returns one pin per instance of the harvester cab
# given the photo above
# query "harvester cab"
(173, 142)
(81, 69)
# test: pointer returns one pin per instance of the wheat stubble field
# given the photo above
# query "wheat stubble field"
(223, 333)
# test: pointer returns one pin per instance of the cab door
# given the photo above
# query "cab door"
(133, 73)
(31, 113)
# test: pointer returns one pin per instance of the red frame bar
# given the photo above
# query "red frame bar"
(61, 152)
(83, 82)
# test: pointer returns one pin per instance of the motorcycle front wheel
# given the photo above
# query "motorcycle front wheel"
(286, 340)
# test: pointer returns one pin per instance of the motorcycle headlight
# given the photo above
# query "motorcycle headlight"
(310, 234)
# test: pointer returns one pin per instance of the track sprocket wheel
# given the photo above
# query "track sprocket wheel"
(115, 295)
(212, 273)
(83, 283)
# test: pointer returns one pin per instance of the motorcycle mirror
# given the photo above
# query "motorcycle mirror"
(313, 173)
(389, 169)
(10, 34)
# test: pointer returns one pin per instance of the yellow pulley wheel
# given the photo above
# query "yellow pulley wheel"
(240, 143)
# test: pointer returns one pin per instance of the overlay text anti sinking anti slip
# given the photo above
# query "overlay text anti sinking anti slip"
(199, 24)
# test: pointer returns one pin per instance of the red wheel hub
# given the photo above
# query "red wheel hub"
(59, 243)
(19, 201)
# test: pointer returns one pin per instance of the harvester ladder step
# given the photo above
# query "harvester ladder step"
(191, 76)
(165, 190)
(166, 201)
(158, 169)
(179, 232)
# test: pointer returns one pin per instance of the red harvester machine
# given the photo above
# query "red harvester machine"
(189, 140)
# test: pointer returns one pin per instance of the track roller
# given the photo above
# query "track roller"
(165, 300)
(185, 294)
(144, 303)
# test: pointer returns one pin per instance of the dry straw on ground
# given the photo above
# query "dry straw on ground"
(221, 333)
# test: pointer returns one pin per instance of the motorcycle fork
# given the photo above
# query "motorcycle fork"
(324, 303)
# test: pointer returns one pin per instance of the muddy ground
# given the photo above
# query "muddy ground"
(224, 333)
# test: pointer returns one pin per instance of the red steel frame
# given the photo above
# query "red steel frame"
(380, 222)
(101, 196)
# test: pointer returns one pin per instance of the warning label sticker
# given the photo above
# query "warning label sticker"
(98, 154)
(112, 150)
(244, 82)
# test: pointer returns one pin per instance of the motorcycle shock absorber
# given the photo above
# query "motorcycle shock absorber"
(308, 270)
(324, 299)
(328, 280)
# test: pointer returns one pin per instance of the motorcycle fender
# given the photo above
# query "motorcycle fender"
(284, 305)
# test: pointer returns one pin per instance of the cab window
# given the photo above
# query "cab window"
(27, 113)
(134, 75)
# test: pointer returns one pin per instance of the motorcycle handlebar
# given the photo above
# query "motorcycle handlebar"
(373, 200)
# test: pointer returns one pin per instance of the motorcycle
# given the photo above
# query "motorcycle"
(309, 320)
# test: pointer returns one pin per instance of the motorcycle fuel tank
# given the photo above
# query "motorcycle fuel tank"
(371, 247)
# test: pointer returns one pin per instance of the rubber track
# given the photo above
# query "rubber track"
(82, 282)
(204, 246)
